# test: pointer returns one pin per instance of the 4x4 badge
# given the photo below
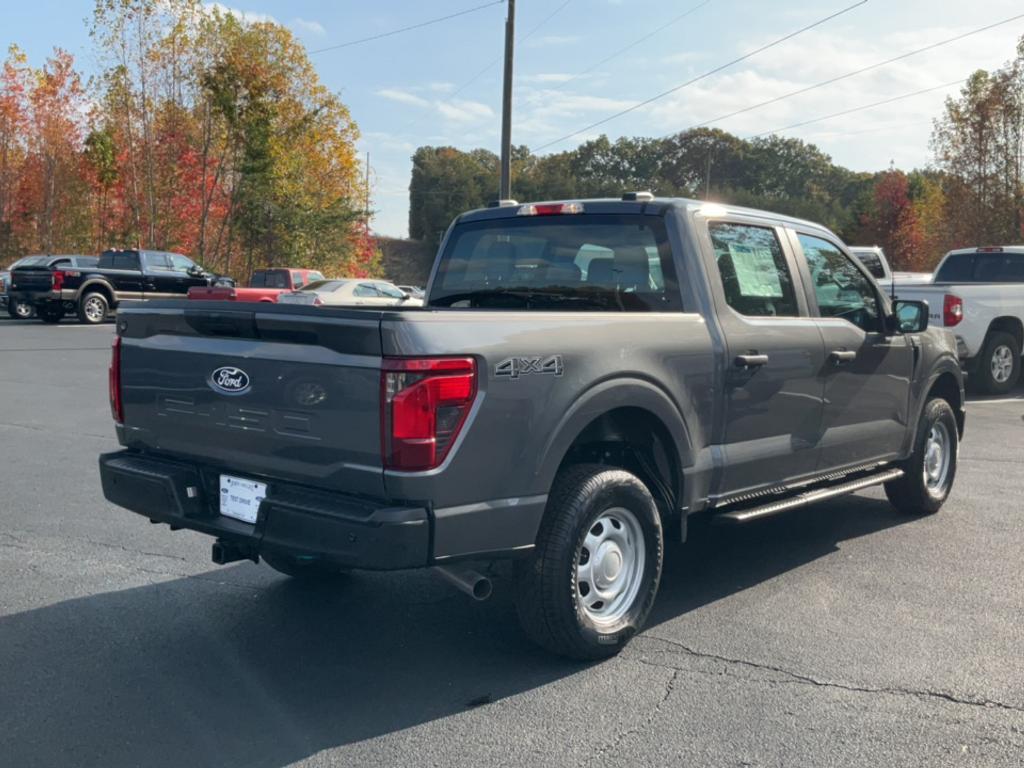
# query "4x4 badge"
(514, 367)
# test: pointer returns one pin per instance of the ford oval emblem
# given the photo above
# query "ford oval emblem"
(230, 380)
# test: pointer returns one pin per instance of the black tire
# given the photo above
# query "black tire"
(20, 310)
(549, 596)
(305, 570)
(93, 308)
(914, 494)
(1000, 349)
(50, 313)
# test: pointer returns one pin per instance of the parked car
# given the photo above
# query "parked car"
(415, 291)
(33, 281)
(558, 403)
(873, 257)
(19, 310)
(978, 293)
(264, 285)
(92, 290)
(350, 292)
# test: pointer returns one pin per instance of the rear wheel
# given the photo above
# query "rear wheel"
(302, 568)
(930, 471)
(590, 583)
(51, 313)
(20, 310)
(999, 363)
(93, 308)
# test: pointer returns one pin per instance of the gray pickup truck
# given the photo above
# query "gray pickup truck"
(583, 377)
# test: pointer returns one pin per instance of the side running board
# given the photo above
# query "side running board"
(808, 497)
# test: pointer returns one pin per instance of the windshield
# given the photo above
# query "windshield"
(615, 262)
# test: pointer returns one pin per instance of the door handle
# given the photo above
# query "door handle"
(841, 356)
(750, 361)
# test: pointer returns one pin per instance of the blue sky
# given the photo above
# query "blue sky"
(402, 89)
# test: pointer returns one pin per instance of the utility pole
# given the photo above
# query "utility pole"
(366, 207)
(505, 189)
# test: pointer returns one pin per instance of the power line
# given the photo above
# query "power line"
(449, 97)
(707, 74)
(858, 109)
(632, 45)
(523, 39)
(855, 72)
(420, 25)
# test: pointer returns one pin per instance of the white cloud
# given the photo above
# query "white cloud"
(249, 17)
(309, 27)
(441, 87)
(403, 97)
(464, 111)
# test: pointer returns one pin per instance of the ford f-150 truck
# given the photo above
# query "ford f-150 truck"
(584, 376)
(978, 293)
(93, 290)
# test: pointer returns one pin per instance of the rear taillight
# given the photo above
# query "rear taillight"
(58, 280)
(317, 302)
(114, 379)
(424, 403)
(952, 310)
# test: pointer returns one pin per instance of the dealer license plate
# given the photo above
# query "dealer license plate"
(240, 498)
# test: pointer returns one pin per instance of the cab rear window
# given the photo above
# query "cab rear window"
(609, 262)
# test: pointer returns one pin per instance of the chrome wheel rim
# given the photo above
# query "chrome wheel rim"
(610, 566)
(94, 310)
(1002, 363)
(22, 310)
(937, 457)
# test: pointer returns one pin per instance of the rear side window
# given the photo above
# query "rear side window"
(999, 268)
(366, 290)
(610, 262)
(86, 261)
(119, 260)
(873, 263)
(158, 262)
(269, 278)
(958, 268)
(755, 277)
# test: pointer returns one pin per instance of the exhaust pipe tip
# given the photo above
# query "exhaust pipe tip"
(474, 584)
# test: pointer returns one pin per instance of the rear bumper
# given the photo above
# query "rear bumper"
(335, 528)
(35, 298)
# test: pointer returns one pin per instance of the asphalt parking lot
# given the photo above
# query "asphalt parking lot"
(839, 635)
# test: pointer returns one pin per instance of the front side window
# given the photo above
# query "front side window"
(181, 263)
(585, 262)
(755, 276)
(297, 280)
(841, 288)
(390, 291)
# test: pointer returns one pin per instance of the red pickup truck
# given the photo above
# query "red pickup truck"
(264, 285)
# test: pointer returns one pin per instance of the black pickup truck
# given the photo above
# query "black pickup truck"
(584, 376)
(91, 290)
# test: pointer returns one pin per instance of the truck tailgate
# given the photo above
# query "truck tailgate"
(32, 279)
(264, 393)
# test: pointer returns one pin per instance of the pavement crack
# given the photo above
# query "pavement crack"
(49, 430)
(646, 723)
(130, 551)
(796, 677)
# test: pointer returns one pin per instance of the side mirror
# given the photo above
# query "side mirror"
(910, 316)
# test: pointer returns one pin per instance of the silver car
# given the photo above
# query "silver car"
(351, 292)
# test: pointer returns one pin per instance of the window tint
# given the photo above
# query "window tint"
(119, 260)
(999, 268)
(958, 268)
(157, 262)
(86, 261)
(873, 263)
(269, 278)
(842, 289)
(612, 262)
(755, 276)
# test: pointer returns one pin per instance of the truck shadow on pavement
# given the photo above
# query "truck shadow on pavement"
(240, 667)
